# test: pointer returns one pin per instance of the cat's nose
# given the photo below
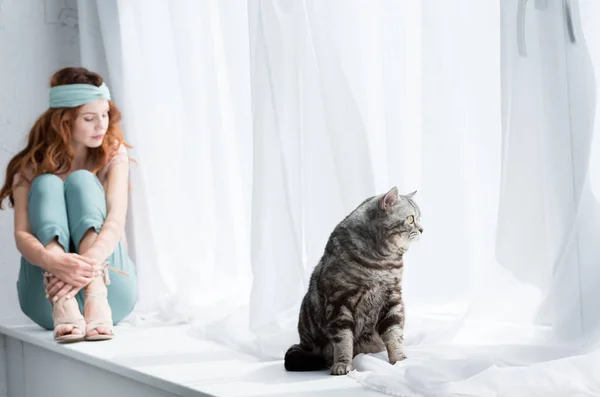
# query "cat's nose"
(420, 229)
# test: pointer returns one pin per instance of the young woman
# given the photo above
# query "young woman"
(69, 188)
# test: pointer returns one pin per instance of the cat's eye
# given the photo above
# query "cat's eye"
(410, 219)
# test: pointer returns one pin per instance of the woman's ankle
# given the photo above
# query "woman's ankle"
(96, 286)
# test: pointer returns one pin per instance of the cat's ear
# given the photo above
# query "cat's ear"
(389, 199)
(410, 195)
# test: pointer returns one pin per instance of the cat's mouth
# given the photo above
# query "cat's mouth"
(414, 236)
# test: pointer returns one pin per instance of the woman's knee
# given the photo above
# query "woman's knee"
(82, 184)
(47, 183)
(81, 178)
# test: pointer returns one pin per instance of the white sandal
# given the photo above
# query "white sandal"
(106, 320)
(74, 321)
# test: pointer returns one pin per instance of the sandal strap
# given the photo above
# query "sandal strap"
(105, 274)
(68, 320)
(47, 277)
(96, 295)
(94, 324)
(65, 322)
(100, 295)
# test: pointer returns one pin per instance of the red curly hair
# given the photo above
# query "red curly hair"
(49, 149)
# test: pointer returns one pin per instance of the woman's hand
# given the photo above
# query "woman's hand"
(72, 269)
(57, 288)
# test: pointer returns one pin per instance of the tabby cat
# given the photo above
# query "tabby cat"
(354, 300)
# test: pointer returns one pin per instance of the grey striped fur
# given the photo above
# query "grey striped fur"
(354, 301)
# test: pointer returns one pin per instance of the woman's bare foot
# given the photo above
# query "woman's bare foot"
(97, 311)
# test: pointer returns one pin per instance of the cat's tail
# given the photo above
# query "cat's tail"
(298, 359)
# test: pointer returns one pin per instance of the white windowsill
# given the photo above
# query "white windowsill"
(168, 358)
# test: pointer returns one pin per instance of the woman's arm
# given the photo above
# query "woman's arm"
(27, 244)
(116, 207)
(71, 268)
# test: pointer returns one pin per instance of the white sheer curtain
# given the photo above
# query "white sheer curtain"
(531, 328)
(258, 125)
(180, 73)
(331, 117)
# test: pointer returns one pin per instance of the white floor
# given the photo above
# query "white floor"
(168, 360)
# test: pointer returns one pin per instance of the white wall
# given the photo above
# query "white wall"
(37, 37)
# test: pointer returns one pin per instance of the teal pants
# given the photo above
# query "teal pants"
(65, 211)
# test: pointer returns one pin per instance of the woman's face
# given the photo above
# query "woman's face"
(91, 124)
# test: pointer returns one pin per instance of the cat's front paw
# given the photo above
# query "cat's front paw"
(341, 368)
(400, 356)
